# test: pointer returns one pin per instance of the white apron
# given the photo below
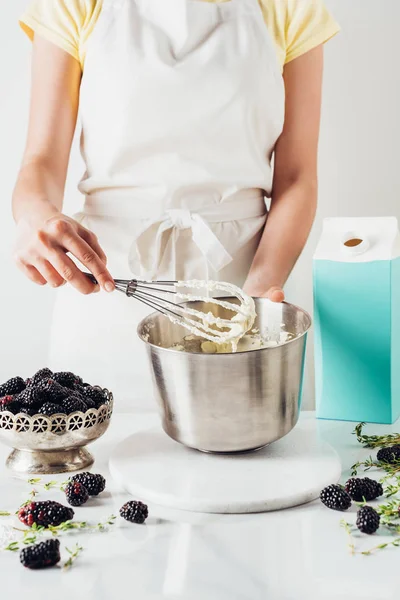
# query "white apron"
(182, 102)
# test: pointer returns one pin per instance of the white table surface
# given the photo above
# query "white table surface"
(294, 554)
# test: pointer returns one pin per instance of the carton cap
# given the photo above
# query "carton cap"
(364, 239)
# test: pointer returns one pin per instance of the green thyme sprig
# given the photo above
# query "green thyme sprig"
(4, 513)
(49, 485)
(395, 542)
(391, 489)
(389, 510)
(74, 553)
(375, 441)
(34, 533)
(13, 547)
(348, 529)
(370, 463)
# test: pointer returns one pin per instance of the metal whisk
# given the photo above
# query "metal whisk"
(216, 329)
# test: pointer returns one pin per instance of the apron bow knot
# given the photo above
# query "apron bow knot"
(158, 237)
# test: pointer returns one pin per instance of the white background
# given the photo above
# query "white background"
(359, 159)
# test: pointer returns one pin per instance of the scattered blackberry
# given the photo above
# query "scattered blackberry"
(49, 409)
(363, 489)
(135, 512)
(76, 493)
(40, 556)
(51, 391)
(95, 484)
(389, 455)
(93, 393)
(29, 396)
(67, 379)
(73, 404)
(45, 513)
(367, 520)
(42, 374)
(12, 386)
(335, 497)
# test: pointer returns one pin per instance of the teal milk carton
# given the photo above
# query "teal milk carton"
(357, 320)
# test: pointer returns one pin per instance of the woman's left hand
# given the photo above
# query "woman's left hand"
(274, 293)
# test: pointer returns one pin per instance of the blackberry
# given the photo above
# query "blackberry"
(76, 493)
(389, 455)
(26, 410)
(42, 374)
(135, 512)
(95, 394)
(335, 497)
(13, 407)
(49, 409)
(95, 484)
(45, 513)
(89, 403)
(40, 556)
(367, 520)
(29, 396)
(12, 386)
(73, 404)
(363, 489)
(5, 401)
(67, 379)
(51, 391)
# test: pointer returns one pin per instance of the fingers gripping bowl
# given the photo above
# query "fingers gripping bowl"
(227, 402)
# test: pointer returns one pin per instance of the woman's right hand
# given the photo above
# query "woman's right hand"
(42, 246)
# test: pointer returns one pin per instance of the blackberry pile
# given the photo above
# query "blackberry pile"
(49, 393)
(40, 556)
(45, 513)
(364, 489)
(135, 512)
(335, 497)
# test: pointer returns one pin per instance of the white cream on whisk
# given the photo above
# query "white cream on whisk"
(207, 325)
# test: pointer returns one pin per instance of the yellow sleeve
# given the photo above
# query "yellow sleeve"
(308, 24)
(297, 26)
(65, 23)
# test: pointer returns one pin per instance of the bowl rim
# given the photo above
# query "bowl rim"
(226, 354)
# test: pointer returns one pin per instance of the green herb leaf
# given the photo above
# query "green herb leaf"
(13, 547)
(4, 513)
(375, 441)
(74, 553)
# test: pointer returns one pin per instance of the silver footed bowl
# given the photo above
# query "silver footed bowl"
(56, 444)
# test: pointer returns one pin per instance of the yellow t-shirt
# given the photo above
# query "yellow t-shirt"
(296, 26)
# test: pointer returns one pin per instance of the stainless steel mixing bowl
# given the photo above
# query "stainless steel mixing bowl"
(227, 402)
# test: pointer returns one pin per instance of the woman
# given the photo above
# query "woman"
(182, 106)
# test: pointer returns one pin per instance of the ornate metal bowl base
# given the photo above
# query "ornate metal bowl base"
(57, 444)
(47, 463)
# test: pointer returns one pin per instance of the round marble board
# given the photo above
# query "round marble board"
(289, 472)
